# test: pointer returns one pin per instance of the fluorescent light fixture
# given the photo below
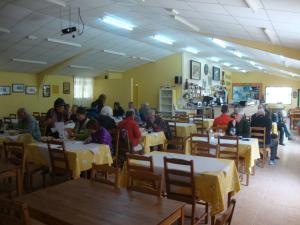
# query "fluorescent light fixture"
(31, 37)
(114, 52)
(4, 30)
(214, 59)
(252, 4)
(29, 61)
(187, 23)
(236, 68)
(226, 64)
(282, 57)
(162, 39)
(173, 11)
(116, 71)
(191, 50)
(259, 67)
(146, 59)
(238, 54)
(219, 42)
(117, 22)
(57, 2)
(252, 62)
(270, 35)
(244, 71)
(81, 67)
(57, 41)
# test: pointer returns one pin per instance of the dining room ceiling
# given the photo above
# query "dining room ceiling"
(26, 25)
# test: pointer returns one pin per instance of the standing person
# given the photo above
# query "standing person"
(224, 118)
(137, 116)
(240, 124)
(118, 110)
(262, 119)
(99, 103)
(28, 124)
(144, 111)
(55, 114)
(99, 134)
(283, 130)
(133, 130)
(106, 118)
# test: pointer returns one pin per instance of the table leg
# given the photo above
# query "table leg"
(230, 194)
(181, 219)
(213, 218)
(19, 182)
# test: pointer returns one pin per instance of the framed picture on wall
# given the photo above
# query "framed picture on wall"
(216, 73)
(66, 88)
(195, 70)
(4, 90)
(46, 91)
(30, 90)
(18, 88)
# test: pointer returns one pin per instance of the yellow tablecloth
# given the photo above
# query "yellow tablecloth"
(25, 138)
(153, 139)
(274, 128)
(207, 123)
(80, 156)
(249, 150)
(185, 129)
(214, 178)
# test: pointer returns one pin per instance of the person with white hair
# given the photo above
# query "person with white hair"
(239, 126)
(28, 124)
(106, 118)
(144, 111)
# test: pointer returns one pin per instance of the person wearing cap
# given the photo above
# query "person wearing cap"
(80, 131)
(55, 114)
(224, 118)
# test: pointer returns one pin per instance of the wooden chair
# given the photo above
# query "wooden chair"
(145, 181)
(201, 146)
(59, 164)
(105, 171)
(176, 142)
(260, 134)
(177, 180)
(7, 122)
(13, 213)
(143, 163)
(44, 114)
(225, 218)
(115, 134)
(198, 121)
(182, 118)
(220, 127)
(13, 116)
(208, 113)
(36, 115)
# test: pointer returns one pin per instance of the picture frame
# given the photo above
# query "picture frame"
(46, 91)
(216, 73)
(18, 88)
(30, 90)
(195, 70)
(66, 88)
(5, 90)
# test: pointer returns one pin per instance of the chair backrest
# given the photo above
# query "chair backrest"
(140, 162)
(260, 134)
(7, 120)
(182, 118)
(37, 115)
(177, 179)
(201, 146)
(225, 218)
(172, 126)
(15, 153)
(13, 116)
(220, 127)
(229, 148)
(115, 134)
(58, 155)
(13, 213)
(208, 113)
(123, 142)
(198, 121)
(44, 114)
(104, 171)
(145, 181)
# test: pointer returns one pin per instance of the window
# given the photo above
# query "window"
(83, 91)
(279, 95)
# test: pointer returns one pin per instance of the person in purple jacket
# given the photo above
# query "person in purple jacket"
(98, 134)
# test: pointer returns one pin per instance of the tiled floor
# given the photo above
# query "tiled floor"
(273, 196)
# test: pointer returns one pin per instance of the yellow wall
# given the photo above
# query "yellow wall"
(151, 76)
(33, 103)
(119, 90)
(267, 80)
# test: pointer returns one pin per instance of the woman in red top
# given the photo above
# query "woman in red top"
(224, 119)
(132, 128)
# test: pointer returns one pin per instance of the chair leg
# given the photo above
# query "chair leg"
(206, 211)
(247, 179)
(193, 214)
(213, 218)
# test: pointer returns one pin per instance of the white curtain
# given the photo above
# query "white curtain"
(83, 91)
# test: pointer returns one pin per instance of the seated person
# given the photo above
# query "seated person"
(133, 130)
(224, 118)
(55, 114)
(157, 124)
(28, 124)
(118, 110)
(80, 131)
(73, 113)
(262, 119)
(106, 118)
(137, 116)
(240, 124)
(282, 128)
(144, 111)
(98, 134)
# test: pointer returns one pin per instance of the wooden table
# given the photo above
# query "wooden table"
(80, 202)
(8, 170)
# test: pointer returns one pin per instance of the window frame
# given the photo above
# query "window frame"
(291, 102)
